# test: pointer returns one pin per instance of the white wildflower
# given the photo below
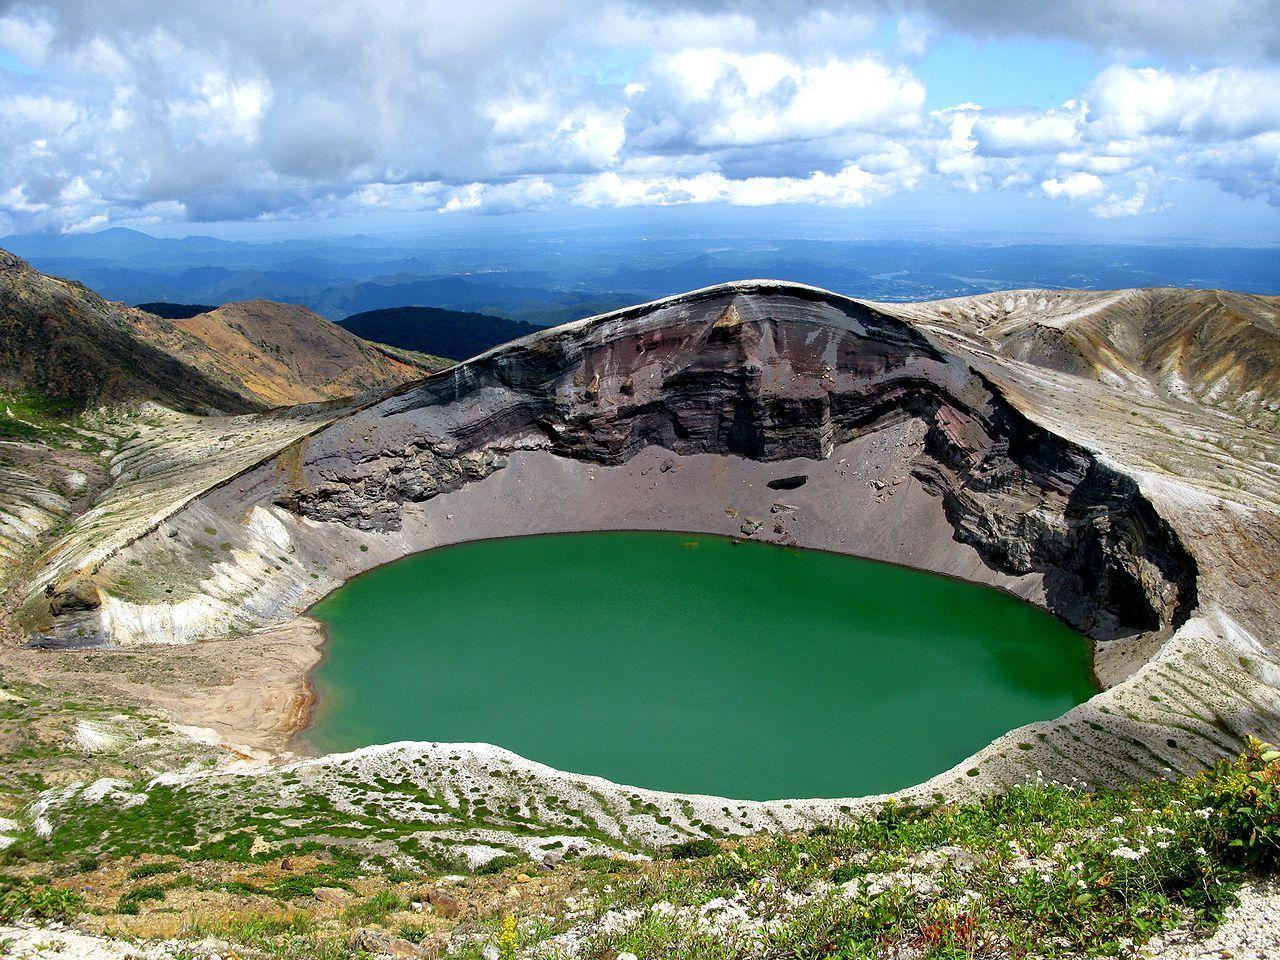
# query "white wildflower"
(1128, 853)
(616, 921)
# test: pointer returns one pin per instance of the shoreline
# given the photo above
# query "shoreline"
(271, 699)
(295, 742)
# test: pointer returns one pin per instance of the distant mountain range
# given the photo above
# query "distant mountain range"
(442, 333)
(334, 278)
(536, 306)
(547, 278)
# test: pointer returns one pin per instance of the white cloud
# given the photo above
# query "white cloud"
(1100, 163)
(1224, 103)
(912, 37)
(1248, 168)
(89, 224)
(222, 107)
(1074, 186)
(27, 37)
(500, 197)
(399, 197)
(1014, 134)
(154, 110)
(1117, 206)
(721, 98)
(852, 186)
(45, 115)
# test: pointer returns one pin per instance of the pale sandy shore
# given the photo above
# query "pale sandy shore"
(250, 694)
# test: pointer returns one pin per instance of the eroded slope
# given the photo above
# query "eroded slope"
(284, 354)
(1207, 347)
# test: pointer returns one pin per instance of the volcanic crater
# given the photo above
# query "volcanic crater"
(765, 411)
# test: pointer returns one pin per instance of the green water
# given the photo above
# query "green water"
(689, 663)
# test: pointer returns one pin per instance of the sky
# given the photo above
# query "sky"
(1103, 118)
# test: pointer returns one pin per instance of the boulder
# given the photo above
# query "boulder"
(442, 903)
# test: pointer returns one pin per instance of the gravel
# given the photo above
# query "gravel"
(28, 942)
(1251, 931)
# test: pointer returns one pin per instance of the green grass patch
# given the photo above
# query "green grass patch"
(693, 850)
(131, 902)
(152, 870)
(375, 909)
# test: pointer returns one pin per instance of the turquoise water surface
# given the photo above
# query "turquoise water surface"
(689, 663)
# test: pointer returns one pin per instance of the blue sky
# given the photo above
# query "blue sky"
(1095, 118)
(1004, 73)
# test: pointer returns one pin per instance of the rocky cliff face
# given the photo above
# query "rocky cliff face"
(768, 375)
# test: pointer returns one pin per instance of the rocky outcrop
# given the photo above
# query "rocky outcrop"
(1031, 502)
(72, 595)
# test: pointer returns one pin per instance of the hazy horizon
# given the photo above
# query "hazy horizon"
(561, 270)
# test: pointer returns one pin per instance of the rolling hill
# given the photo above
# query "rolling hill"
(284, 354)
(60, 340)
(1218, 348)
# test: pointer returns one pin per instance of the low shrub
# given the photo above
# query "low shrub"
(693, 850)
(21, 899)
(498, 864)
(151, 870)
(1041, 869)
(1244, 795)
(603, 864)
